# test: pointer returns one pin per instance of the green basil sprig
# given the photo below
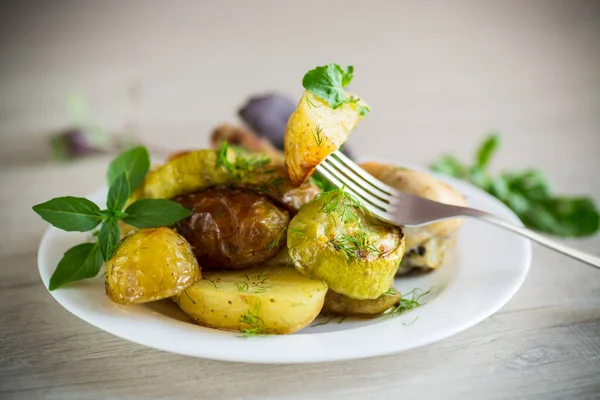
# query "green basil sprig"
(125, 174)
(527, 193)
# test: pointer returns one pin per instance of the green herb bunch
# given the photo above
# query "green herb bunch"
(527, 193)
(77, 214)
(328, 82)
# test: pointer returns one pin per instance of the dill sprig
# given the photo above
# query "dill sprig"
(296, 232)
(275, 242)
(242, 286)
(318, 135)
(214, 283)
(255, 325)
(241, 164)
(354, 247)
(343, 203)
(407, 304)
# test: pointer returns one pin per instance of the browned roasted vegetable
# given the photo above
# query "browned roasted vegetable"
(149, 265)
(232, 228)
(339, 304)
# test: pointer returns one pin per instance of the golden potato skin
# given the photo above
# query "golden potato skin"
(311, 241)
(314, 131)
(232, 228)
(255, 301)
(151, 264)
(339, 304)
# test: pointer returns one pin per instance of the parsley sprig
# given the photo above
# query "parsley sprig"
(527, 193)
(328, 82)
(77, 214)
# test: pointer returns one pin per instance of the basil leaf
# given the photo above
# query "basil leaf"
(135, 162)
(70, 213)
(152, 213)
(109, 238)
(328, 82)
(449, 165)
(118, 193)
(563, 216)
(486, 150)
(528, 194)
(80, 262)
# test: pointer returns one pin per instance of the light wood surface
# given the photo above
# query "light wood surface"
(439, 75)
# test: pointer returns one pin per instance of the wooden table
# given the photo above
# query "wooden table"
(438, 76)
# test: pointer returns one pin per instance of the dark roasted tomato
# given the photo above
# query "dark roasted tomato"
(232, 228)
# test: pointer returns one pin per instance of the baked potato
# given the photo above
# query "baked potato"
(332, 238)
(151, 264)
(425, 245)
(256, 301)
(232, 228)
(314, 131)
(339, 304)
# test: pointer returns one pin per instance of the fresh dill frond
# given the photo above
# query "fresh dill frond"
(242, 287)
(343, 203)
(214, 283)
(354, 247)
(296, 232)
(242, 163)
(254, 324)
(318, 135)
(275, 242)
(411, 322)
(389, 292)
(310, 103)
(407, 304)
(189, 297)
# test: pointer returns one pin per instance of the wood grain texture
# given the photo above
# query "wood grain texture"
(438, 75)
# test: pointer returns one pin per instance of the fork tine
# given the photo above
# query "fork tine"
(357, 191)
(337, 183)
(370, 179)
(349, 173)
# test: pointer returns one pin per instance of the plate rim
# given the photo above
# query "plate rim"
(500, 301)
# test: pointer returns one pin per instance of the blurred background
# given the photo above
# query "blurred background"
(439, 76)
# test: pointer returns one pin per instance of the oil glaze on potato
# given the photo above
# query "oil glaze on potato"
(232, 228)
(339, 304)
(314, 131)
(151, 264)
(255, 301)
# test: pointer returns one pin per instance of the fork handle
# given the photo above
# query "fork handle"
(589, 259)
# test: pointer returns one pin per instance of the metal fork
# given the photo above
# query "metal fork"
(404, 209)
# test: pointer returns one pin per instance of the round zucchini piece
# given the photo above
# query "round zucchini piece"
(339, 304)
(332, 238)
(151, 264)
(256, 301)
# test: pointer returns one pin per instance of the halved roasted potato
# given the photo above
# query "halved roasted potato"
(232, 228)
(339, 304)
(333, 239)
(151, 264)
(255, 301)
(314, 131)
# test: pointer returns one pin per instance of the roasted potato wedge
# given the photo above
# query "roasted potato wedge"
(256, 301)
(232, 228)
(332, 239)
(339, 304)
(151, 264)
(428, 255)
(314, 131)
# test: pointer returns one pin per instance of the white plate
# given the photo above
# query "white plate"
(485, 269)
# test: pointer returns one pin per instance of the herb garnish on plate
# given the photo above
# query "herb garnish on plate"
(527, 193)
(77, 214)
